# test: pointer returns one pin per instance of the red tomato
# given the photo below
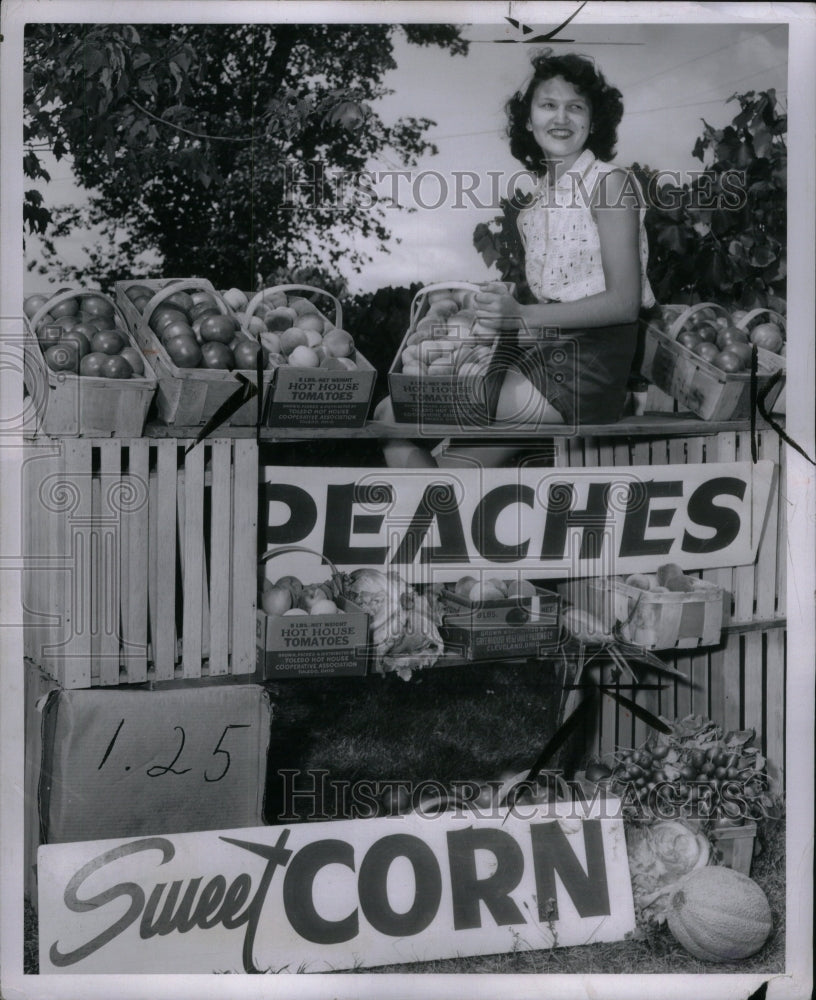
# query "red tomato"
(708, 331)
(32, 304)
(95, 305)
(134, 359)
(141, 301)
(178, 328)
(179, 300)
(70, 307)
(137, 291)
(743, 351)
(116, 367)
(164, 316)
(728, 361)
(78, 339)
(62, 358)
(108, 342)
(92, 363)
(768, 336)
(246, 354)
(689, 338)
(221, 328)
(707, 351)
(217, 355)
(728, 335)
(184, 352)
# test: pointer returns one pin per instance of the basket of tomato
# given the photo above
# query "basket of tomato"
(84, 372)
(702, 356)
(197, 345)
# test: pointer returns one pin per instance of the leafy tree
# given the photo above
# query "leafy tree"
(720, 237)
(182, 135)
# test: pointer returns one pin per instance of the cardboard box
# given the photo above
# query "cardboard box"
(134, 762)
(453, 400)
(334, 645)
(503, 629)
(313, 397)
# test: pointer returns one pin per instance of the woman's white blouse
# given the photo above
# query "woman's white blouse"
(561, 240)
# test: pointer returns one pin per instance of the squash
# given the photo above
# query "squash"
(719, 915)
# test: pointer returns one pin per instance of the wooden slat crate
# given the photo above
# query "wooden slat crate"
(140, 560)
(741, 682)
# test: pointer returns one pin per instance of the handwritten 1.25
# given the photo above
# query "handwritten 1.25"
(222, 756)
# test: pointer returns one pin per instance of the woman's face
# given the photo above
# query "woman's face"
(559, 120)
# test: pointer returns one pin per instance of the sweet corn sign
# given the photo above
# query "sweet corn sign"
(319, 897)
(541, 523)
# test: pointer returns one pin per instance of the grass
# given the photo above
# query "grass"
(468, 724)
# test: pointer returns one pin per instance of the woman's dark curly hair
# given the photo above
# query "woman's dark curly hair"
(606, 106)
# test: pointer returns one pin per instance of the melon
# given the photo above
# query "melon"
(719, 915)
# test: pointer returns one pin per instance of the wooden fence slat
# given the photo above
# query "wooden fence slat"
(153, 563)
(94, 535)
(135, 533)
(754, 689)
(192, 566)
(743, 580)
(164, 639)
(109, 534)
(782, 535)
(244, 520)
(767, 581)
(220, 556)
(74, 538)
(774, 735)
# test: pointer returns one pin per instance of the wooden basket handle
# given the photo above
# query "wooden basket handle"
(183, 285)
(258, 298)
(680, 321)
(438, 286)
(774, 315)
(284, 550)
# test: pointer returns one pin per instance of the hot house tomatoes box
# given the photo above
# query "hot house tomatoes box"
(329, 645)
(466, 390)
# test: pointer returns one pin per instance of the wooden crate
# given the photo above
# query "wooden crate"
(442, 399)
(71, 405)
(186, 396)
(140, 560)
(741, 682)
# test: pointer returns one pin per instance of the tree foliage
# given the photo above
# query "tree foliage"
(720, 237)
(182, 135)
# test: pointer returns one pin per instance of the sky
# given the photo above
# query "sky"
(671, 76)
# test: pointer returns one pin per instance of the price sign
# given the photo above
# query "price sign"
(124, 763)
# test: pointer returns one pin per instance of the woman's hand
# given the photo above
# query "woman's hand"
(496, 308)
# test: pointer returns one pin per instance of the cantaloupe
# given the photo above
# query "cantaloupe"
(719, 915)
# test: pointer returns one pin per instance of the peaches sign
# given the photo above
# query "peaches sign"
(539, 523)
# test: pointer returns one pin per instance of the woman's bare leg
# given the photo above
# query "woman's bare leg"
(399, 453)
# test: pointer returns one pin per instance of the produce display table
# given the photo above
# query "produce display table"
(656, 424)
